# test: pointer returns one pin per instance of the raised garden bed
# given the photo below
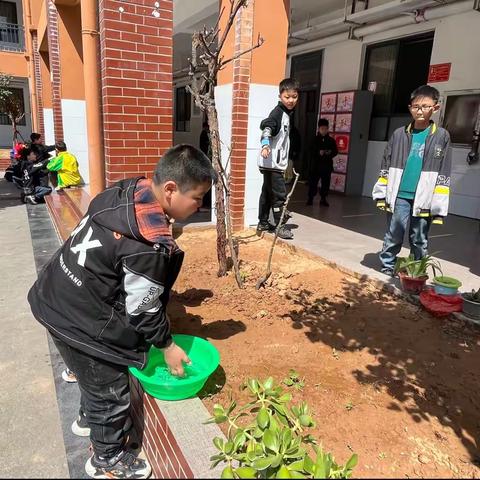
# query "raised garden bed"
(383, 378)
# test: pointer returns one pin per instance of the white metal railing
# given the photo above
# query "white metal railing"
(12, 37)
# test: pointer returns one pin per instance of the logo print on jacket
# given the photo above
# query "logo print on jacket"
(86, 244)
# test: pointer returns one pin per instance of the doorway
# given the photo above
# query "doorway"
(307, 69)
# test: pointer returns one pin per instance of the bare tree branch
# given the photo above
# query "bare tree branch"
(238, 55)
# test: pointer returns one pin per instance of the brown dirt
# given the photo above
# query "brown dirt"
(383, 378)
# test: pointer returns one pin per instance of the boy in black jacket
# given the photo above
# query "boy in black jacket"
(273, 159)
(103, 297)
(321, 167)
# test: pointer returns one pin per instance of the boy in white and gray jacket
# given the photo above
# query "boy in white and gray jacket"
(273, 158)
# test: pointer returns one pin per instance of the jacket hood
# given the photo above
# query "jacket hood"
(114, 209)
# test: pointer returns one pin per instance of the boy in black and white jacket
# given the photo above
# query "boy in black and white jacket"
(103, 297)
(273, 158)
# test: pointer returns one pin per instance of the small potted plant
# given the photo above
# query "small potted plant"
(446, 285)
(413, 273)
(471, 304)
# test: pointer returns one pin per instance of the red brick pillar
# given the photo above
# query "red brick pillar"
(249, 86)
(241, 87)
(54, 61)
(136, 60)
(38, 107)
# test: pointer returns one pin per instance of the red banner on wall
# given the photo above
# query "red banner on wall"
(439, 72)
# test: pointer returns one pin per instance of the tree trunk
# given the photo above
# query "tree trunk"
(219, 193)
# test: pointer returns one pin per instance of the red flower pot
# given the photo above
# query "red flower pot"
(412, 284)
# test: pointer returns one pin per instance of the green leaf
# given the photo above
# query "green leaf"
(218, 442)
(308, 464)
(285, 398)
(295, 474)
(229, 448)
(246, 472)
(283, 472)
(288, 382)
(262, 463)
(297, 465)
(352, 463)
(277, 461)
(220, 419)
(322, 465)
(270, 440)
(273, 426)
(268, 384)
(252, 385)
(286, 438)
(218, 410)
(232, 407)
(228, 472)
(263, 418)
(305, 420)
(239, 439)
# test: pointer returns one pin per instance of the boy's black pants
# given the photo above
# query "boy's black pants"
(105, 398)
(325, 177)
(273, 196)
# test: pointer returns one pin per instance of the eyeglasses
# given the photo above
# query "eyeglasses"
(423, 108)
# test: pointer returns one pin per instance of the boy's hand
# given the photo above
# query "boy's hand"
(265, 151)
(174, 358)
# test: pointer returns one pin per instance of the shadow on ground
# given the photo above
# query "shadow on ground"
(428, 366)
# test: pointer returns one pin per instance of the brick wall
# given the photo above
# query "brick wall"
(38, 108)
(136, 60)
(54, 61)
(158, 441)
(241, 86)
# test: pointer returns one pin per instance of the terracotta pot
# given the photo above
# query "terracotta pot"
(412, 284)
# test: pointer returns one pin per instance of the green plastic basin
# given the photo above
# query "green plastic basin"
(158, 382)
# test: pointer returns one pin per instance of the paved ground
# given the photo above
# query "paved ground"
(350, 233)
(31, 442)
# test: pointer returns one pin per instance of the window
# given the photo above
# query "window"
(461, 112)
(183, 108)
(11, 36)
(397, 67)
(4, 120)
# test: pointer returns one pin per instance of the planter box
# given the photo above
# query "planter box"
(173, 435)
(412, 284)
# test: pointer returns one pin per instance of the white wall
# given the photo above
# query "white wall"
(49, 129)
(75, 133)
(456, 40)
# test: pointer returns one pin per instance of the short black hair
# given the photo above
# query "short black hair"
(186, 165)
(288, 84)
(35, 136)
(26, 151)
(61, 146)
(323, 122)
(425, 91)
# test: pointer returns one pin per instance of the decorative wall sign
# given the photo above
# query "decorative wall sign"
(329, 101)
(345, 101)
(343, 122)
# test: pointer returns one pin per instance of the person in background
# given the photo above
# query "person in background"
(324, 149)
(42, 153)
(66, 166)
(32, 176)
(414, 182)
(206, 148)
(273, 160)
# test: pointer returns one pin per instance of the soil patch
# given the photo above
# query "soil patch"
(383, 378)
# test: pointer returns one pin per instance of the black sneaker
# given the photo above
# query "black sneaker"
(388, 271)
(123, 465)
(265, 227)
(324, 203)
(285, 233)
(81, 429)
(80, 426)
(286, 217)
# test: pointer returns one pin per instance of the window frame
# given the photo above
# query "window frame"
(5, 120)
(398, 42)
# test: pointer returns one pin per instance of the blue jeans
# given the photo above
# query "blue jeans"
(397, 223)
(41, 192)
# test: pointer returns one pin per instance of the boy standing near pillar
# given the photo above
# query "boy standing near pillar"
(273, 159)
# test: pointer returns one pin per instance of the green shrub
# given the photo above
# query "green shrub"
(267, 438)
